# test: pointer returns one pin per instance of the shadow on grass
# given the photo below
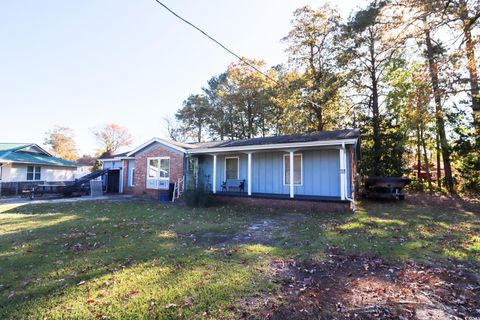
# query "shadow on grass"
(138, 260)
(398, 230)
(119, 260)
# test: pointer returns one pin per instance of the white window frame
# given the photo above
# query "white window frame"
(131, 182)
(158, 172)
(34, 173)
(301, 168)
(225, 167)
(157, 178)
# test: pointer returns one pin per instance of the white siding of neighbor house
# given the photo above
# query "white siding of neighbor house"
(6, 167)
(18, 172)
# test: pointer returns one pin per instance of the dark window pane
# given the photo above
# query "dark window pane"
(30, 169)
(29, 176)
(37, 175)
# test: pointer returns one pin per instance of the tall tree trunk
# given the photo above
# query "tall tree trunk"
(419, 155)
(199, 134)
(439, 112)
(377, 142)
(249, 120)
(439, 162)
(425, 158)
(319, 116)
(472, 69)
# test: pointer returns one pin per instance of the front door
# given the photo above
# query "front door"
(113, 181)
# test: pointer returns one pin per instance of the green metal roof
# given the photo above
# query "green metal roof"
(13, 152)
(13, 146)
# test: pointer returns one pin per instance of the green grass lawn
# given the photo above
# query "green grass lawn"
(137, 260)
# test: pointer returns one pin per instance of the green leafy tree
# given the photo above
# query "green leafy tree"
(249, 97)
(369, 54)
(314, 49)
(194, 116)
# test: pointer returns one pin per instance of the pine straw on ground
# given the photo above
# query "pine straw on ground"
(360, 287)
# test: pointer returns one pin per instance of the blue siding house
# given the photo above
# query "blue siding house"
(317, 166)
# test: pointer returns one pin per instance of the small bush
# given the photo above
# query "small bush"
(198, 198)
(416, 185)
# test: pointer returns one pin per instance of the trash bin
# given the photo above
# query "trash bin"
(166, 195)
(163, 196)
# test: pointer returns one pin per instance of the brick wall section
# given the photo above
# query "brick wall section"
(140, 177)
(126, 170)
(288, 204)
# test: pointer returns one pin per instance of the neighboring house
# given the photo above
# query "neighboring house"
(86, 164)
(319, 166)
(27, 162)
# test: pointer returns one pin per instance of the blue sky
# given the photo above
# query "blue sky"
(82, 64)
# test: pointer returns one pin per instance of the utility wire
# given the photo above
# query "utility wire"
(217, 42)
(227, 49)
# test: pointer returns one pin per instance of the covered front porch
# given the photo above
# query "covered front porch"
(310, 172)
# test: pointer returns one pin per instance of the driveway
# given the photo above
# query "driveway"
(117, 197)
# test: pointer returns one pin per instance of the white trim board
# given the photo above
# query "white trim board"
(337, 143)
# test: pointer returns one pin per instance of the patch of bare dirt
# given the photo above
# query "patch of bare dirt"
(358, 287)
(259, 232)
(466, 203)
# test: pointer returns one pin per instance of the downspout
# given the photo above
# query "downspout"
(347, 197)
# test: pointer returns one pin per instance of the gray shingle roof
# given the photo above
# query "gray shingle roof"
(292, 138)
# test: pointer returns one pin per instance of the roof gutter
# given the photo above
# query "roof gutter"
(324, 143)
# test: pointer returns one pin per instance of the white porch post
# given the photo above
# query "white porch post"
(214, 182)
(342, 172)
(292, 189)
(249, 173)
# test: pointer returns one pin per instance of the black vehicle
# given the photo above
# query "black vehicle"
(385, 188)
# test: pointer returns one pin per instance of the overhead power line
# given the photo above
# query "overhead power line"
(216, 41)
(246, 62)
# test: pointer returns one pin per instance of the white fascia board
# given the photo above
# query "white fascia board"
(293, 145)
(39, 148)
(158, 140)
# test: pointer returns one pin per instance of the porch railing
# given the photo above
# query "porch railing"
(178, 189)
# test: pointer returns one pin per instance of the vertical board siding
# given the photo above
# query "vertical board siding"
(321, 175)
(130, 165)
(321, 172)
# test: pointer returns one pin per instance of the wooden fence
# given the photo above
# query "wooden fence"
(15, 188)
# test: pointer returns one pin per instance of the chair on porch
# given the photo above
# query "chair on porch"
(233, 183)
